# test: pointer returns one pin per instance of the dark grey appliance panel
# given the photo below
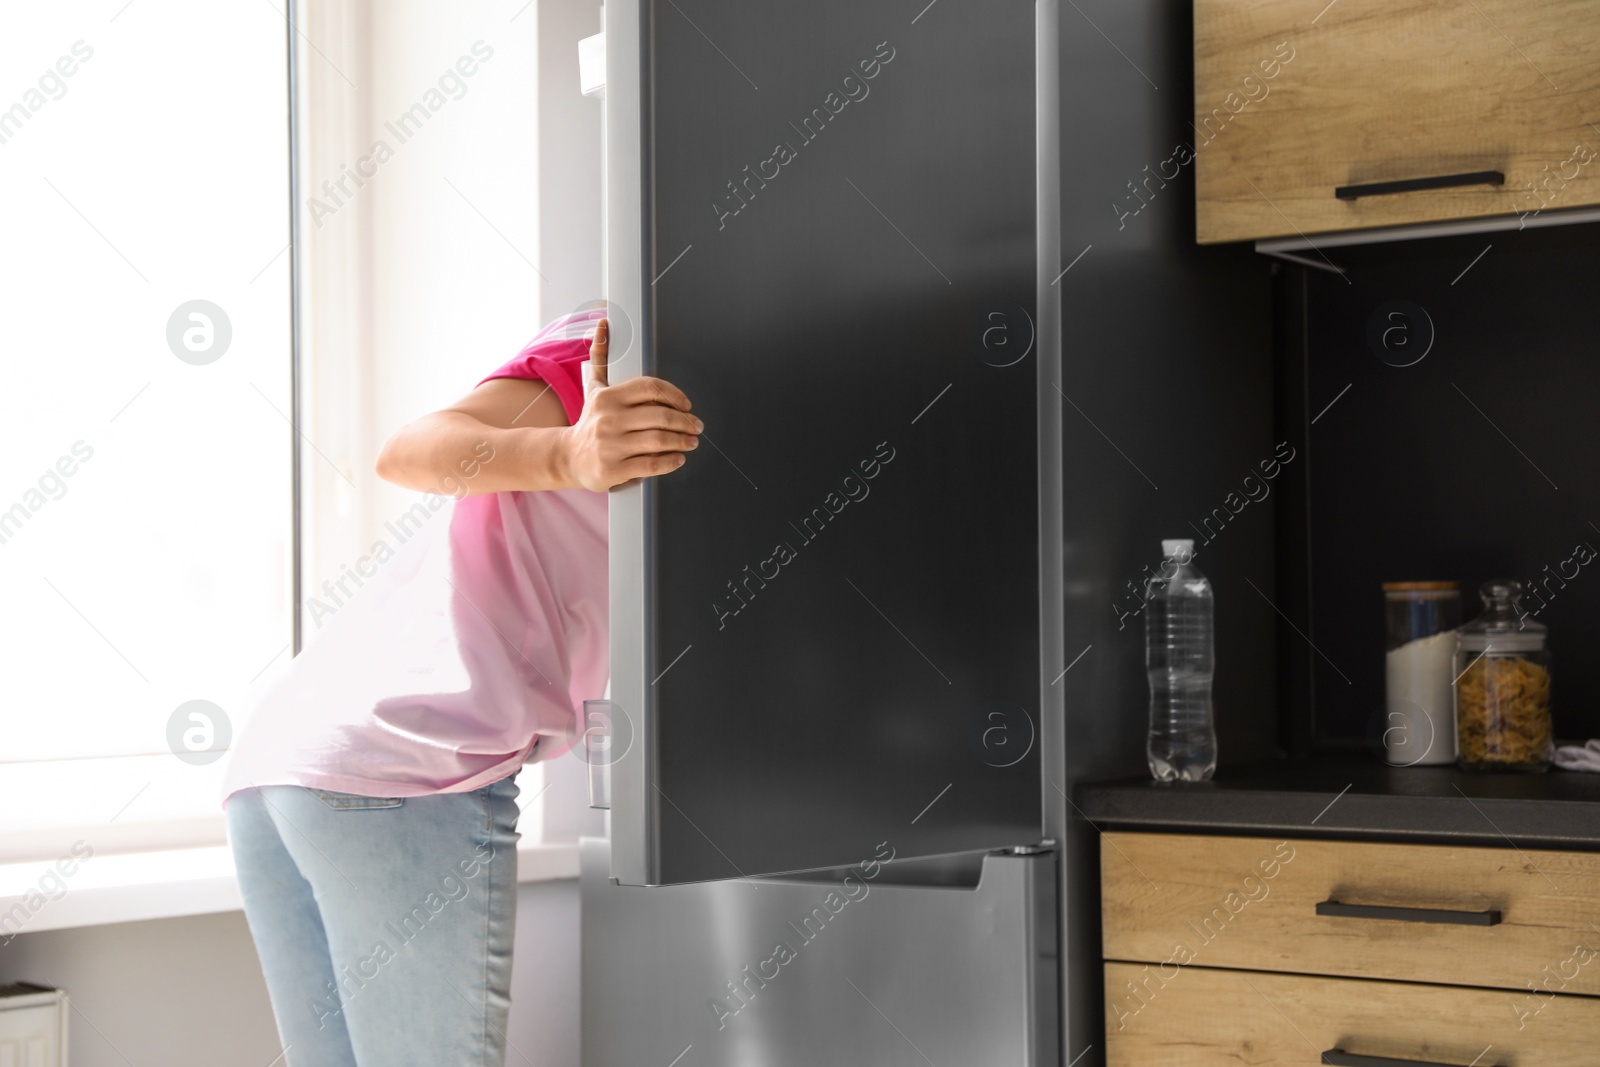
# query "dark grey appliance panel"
(852, 970)
(826, 625)
(1167, 386)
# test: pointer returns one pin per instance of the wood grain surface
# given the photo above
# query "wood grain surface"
(1291, 103)
(1250, 903)
(1212, 1018)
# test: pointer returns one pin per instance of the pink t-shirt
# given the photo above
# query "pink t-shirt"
(474, 640)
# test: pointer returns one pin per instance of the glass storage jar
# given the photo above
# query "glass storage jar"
(1502, 690)
(1419, 725)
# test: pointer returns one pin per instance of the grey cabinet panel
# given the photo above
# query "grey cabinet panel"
(1167, 361)
(826, 625)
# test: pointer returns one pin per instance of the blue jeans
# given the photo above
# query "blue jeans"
(384, 925)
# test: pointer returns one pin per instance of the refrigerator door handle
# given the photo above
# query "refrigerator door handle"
(599, 749)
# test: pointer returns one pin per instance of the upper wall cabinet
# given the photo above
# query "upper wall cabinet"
(1390, 112)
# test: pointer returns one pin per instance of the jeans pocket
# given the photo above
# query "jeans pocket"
(353, 801)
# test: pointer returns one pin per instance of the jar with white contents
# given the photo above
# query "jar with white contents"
(1419, 710)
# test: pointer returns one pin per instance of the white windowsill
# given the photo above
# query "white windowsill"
(163, 885)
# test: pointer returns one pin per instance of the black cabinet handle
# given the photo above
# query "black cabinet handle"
(1412, 185)
(1490, 917)
(1340, 1058)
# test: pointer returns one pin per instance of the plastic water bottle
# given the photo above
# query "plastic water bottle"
(1179, 659)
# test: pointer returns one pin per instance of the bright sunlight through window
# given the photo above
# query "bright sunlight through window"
(145, 522)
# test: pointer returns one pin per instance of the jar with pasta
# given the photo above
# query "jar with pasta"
(1502, 688)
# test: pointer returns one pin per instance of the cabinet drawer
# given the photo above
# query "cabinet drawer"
(1377, 91)
(1252, 904)
(1203, 1017)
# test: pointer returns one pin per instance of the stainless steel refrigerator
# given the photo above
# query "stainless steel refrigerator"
(847, 634)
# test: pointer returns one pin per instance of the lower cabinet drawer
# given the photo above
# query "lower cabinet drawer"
(1200, 1017)
(1500, 918)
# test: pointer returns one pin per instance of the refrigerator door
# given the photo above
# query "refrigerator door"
(847, 969)
(826, 625)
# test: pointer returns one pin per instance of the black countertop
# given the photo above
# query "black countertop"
(1360, 797)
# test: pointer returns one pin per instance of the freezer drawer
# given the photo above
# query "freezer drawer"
(829, 972)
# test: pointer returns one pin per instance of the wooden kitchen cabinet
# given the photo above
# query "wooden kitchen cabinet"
(1302, 118)
(1253, 903)
(1216, 1018)
(1225, 949)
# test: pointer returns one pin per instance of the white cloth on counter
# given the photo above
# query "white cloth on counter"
(1584, 757)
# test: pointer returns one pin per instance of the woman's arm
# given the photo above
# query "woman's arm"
(512, 434)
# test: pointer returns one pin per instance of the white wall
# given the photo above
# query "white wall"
(189, 993)
(569, 160)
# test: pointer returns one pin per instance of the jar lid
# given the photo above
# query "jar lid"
(1435, 588)
(1503, 626)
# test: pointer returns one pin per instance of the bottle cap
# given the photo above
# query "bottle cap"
(1170, 549)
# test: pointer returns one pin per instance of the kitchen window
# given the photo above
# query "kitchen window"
(145, 520)
(147, 496)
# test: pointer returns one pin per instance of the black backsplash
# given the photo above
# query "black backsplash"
(1477, 460)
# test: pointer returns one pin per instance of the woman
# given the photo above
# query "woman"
(371, 800)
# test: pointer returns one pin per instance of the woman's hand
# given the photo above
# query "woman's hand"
(637, 429)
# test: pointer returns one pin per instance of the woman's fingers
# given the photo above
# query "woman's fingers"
(642, 442)
(634, 391)
(639, 428)
(648, 467)
(617, 452)
(647, 390)
(654, 417)
(598, 351)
